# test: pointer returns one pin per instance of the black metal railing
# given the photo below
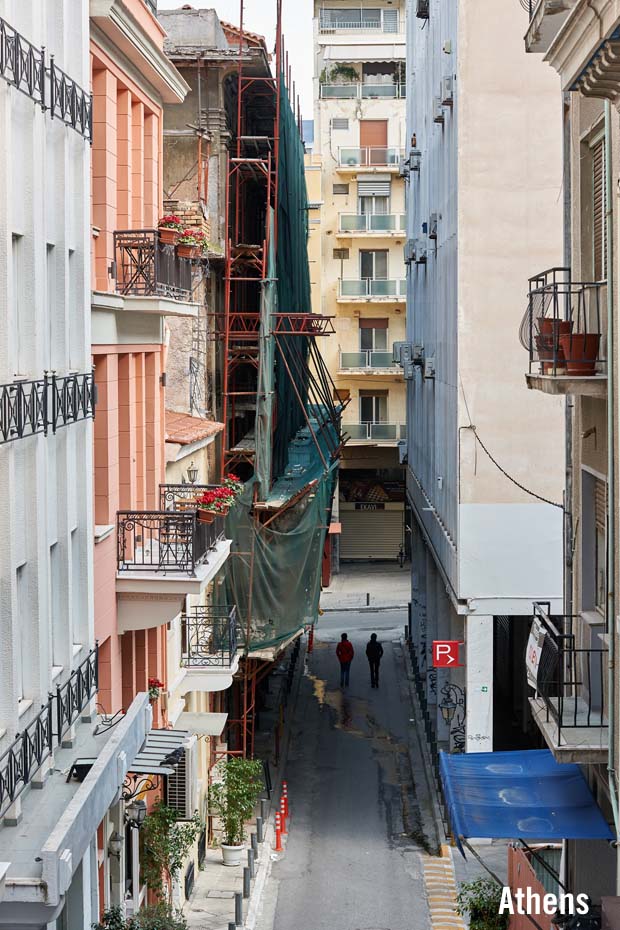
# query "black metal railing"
(563, 328)
(30, 407)
(209, 637)
(528, 6)
(147, 267)
(570, 680)
(181, 496)
(25, 756)
(74, 695)
(163, 541)
(23, 65)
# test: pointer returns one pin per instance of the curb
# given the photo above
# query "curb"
(364, 609)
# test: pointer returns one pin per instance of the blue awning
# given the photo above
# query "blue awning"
(519, 795)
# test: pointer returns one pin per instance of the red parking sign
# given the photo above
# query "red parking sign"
(446, 653)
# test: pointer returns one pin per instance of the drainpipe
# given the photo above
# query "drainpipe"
(569, 405)
(611, 493)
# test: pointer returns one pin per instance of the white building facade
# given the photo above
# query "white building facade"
(480, 195)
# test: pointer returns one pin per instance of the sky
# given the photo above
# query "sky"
(260, 16)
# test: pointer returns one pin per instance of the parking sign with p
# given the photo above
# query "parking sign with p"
(446, 653)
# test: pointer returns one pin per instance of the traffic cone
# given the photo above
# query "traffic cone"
(283, 817)
(285, 796)
(278, 834)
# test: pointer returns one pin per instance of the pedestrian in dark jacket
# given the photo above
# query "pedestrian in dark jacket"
(345, 653)
(374, 651)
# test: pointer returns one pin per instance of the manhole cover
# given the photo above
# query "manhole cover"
(220, 894)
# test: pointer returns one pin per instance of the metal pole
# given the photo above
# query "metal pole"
(247, 878)
(260, 836)
(254, 841)
(263, 809)
(238, 909)
(251, 862)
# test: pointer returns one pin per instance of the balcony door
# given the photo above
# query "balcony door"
(373, 335)
(373, 141)
(374, 264)
(373, 407)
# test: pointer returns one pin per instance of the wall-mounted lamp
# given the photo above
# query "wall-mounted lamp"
(192, 473)
(115, 845)
(135, 813)
(448, 709)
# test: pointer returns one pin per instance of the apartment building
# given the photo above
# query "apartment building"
(576, 303)
(155, 561)
(359, 138)
(484, 203)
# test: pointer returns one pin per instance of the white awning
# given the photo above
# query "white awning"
(364, 52)
(203, 724)
(160, 752)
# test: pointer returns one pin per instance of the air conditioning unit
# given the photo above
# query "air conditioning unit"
(419, 252)
(429, 368)
(403, 168)
(409, 251)
(397, 349)
(432, 225)
(415, 157)
(181, 788)
(438, 116)
(422, 9)
(447, 91)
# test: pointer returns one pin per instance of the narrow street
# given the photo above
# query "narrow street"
(353, 859)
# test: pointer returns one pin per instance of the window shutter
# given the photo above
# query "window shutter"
(600, 503)
(373, 323)
(340, 123)
(378, 186)
(598, 210)
(390, 20)
(179, 787)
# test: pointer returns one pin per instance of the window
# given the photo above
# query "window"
(340, 189)
(373, 335)
(599, 236)
(594, 543)
(374, 264)
(373, 406)
(56, 621)
(600, 545)
(22, 648)
(374, 205)
(53, 359)
(340, 123)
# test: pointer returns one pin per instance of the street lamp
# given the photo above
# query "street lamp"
(115, 845)
(448, 709)
(135, 813)
(192, 473)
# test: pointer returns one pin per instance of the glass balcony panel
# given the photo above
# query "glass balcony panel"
(356, 430)
(381, 360)
(379, 90)
(352, 222)
(383, 431)
(372, 155)
(381, 222)
(340, 91)
(353, 288)
(382, 288)
(353, 359)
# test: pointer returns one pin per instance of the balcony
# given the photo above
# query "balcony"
(163, 555)
(369, 158)
(386, 21)
(368, 363)
(569, 706)
(546, 19)
(363, 91)
(150, 274)
(46, 405)
(371, 224)
(371, 289)
(388, 434)
(564, 332)
(209, 648)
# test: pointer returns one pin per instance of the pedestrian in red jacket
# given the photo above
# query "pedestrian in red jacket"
(345, 653)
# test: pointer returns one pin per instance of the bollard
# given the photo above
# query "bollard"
(238, 909)
(247, 878)
(367, 600)
(251, 862)
(311, 639)
(254, 843)
(285, 796)
(283, 817)
(263, 809)
(260, 836)
(278, 833)
(231, 926)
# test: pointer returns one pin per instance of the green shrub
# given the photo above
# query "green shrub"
(154, 917)
(481, 899)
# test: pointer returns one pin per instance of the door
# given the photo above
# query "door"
(373, 407)
(374, 264)
(373, 141)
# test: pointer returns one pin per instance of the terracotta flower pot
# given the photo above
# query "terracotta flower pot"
(550, 355)
(581, 353)
(206, 516)
(549, 326)
(168, 235)
(187, 251)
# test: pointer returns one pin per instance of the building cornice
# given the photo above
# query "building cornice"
(589, 25)
(116, 23)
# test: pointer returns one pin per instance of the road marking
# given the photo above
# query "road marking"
(441, 891)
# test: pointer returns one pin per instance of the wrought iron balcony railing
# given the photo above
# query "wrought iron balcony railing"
(367, 360)
(570, 680)
(182, 496)
(357, 90)
(373, 287)
(30, 407)
(371, 222)
(563, 328)
(370, 156)
(25, 756)
(23, 65)
(146, 267)
(164, 540)
(374, 432)
(209, 637)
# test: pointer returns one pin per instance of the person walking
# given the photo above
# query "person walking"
(345, 653)
(374, 652)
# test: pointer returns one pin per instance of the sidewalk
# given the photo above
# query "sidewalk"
(368, 585)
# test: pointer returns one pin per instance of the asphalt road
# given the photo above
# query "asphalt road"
(352, 859)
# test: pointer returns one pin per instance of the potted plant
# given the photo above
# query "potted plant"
(547, 342)
(581, 353)
(187, 244)
(480, 899)
(169, 228)
(346, 73)
(233, 800)
(233, 483)
(153, 917)
(155, 689)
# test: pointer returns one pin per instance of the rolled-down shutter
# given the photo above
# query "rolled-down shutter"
(598, 210)
(377, 186)
(600, 503)
(371, 534)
